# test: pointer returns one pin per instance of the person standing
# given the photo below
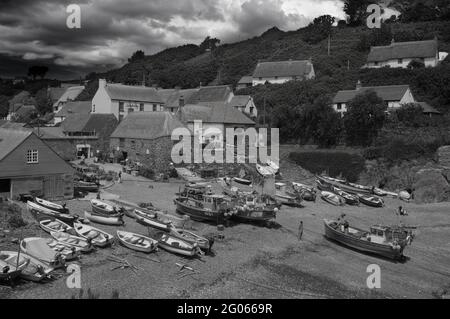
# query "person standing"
(300, 230)
(120, 177)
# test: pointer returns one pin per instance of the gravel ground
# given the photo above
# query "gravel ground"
(259, 262)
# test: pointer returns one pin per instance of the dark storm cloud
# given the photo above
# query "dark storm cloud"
(34, 31)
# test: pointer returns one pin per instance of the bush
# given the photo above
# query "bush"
(146, 172)
(11, 214)
(334, 163)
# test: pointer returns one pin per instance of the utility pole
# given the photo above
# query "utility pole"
(348, 65)
(329, 44)
(264, 118)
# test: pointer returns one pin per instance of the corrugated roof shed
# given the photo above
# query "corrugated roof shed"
(75, 107)
(282, 69)
(147, 125)
(132, 93)
(387, 93)
(403, 50)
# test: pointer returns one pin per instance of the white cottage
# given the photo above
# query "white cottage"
(120, 100)
(283, 71)
(401, 54)
(393, 95)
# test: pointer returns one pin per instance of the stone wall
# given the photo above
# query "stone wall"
(67, 148)
(154, 154)
(443, 156)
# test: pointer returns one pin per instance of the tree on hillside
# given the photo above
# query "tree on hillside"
(209, 43)
(43, 102)
(376, 37)
(318, 121)
(319, 29)
(138, 55)
(364, 118)
(356, 11)
(37, 71)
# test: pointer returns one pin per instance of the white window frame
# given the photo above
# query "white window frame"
(32, 156)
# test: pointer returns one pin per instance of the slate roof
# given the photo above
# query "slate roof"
(427, 108)
(387, 93)
(11, 138)
(55, 93)
(75, 107)
(248, 79)
(240, 100)
(402, 50)
(88, 122)
(132, 93)
(216, 112)
(70, 94)
(282, 69)
(218, 93)
(171, 97)
(20, 99)
(147, 125)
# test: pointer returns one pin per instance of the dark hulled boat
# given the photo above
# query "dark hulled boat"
(385, 241)
(209, 207)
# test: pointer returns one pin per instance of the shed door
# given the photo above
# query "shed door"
(54, 187)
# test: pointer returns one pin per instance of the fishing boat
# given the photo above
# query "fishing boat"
(39, 249)
(40, 212)
(324, 186)
(372, 201)
(52, 206)
(137, 242)
(265, 170)
(349, 198)
(204, 207)
(105, 220)
(332, 198)
(102, 208)
(176, 245)
(386, 241)
(192, 238)
(286, 197)
(151, 219)
(34, 270)
(242, 181)
(9, 271)
(98, 237)
(83, 186)
(55, 225)
(83, 244)
(253, 208)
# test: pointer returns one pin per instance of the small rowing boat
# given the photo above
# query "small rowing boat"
(192, 238)
(332, 198)
(148, 218)
(83, 244)
(372, 201)
(40, 212)
(349, 198)
(242, 181)
(34, 270)
(39, 249)
(105, 220)
(55, 225)
(307, 192)
(52, 206)
(97, 236)
(10, 271)
(137, 242)
(103, 208)
(176, 245)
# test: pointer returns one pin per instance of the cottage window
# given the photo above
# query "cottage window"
(93, 108)
(32, 156)
(400, 61)
(276, 78)
(376, 63)
(339, 106)
(130, 110)
(121, 107)
(155, 107)
(121, 142)
(251, 110)
(141, 107)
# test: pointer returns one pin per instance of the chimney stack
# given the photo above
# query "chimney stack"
(181, 101)
(102, 83)
(358, 85)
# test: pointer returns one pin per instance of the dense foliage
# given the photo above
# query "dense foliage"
(333, 163)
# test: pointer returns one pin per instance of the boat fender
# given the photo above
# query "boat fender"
(276, 209)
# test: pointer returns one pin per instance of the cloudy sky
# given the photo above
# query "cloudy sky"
(35, 31)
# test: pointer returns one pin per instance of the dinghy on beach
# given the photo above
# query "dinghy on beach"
(105, 220)
(34, 270)
(50, 205)
(98, 237)
(40, 212)
(176, 245)
(137, 242)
